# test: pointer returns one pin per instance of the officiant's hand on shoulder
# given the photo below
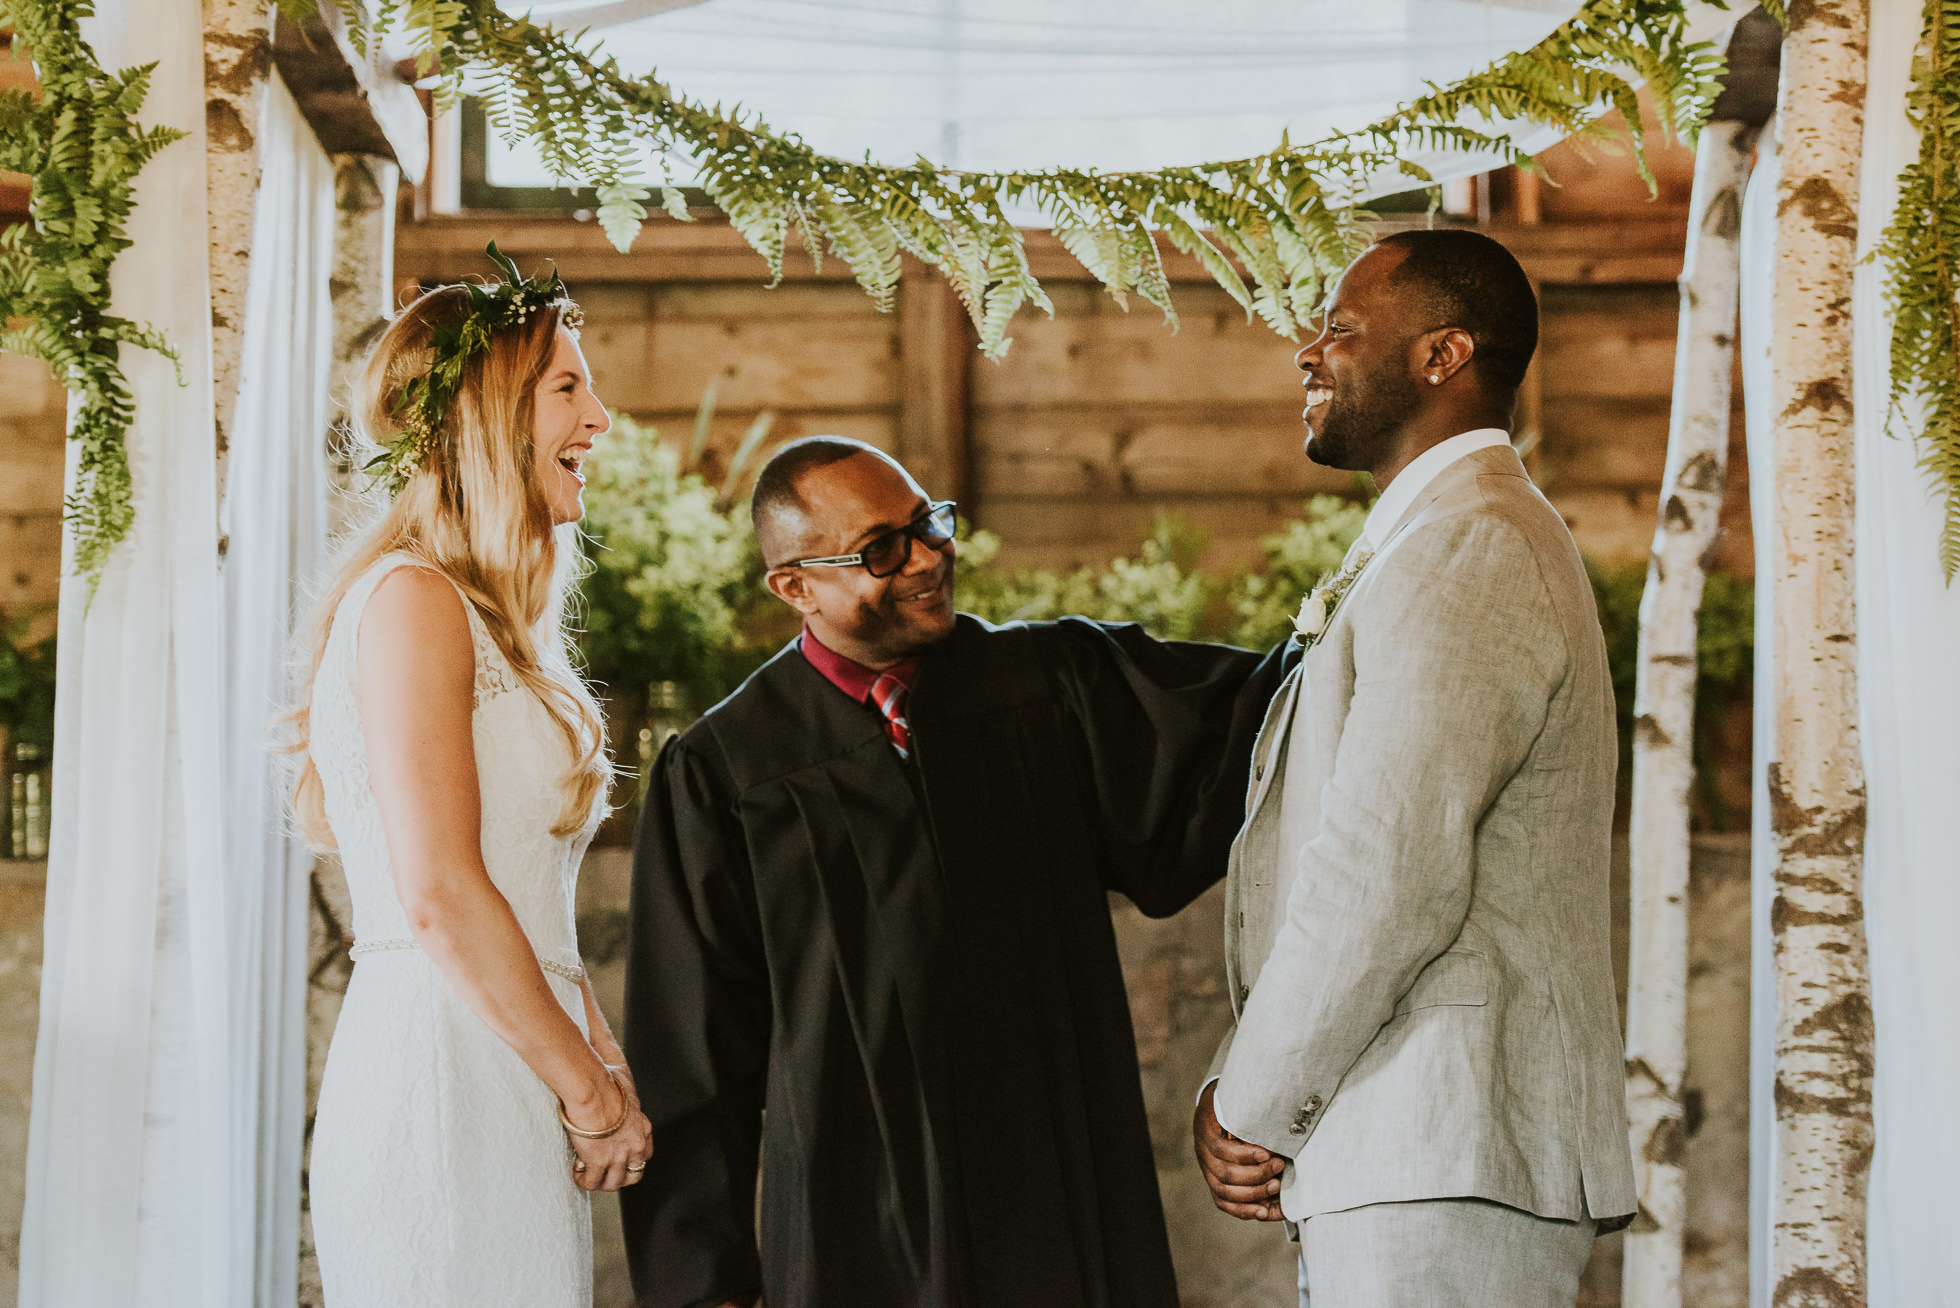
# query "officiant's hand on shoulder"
(1243, 1177)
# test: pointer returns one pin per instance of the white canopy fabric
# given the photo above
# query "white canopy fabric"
(275, 523)
(1909, 718)
(131, 1195)
(169, 1073)
(1028, 84)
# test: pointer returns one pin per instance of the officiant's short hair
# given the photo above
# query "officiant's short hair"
(1465, 279)
(777, 507)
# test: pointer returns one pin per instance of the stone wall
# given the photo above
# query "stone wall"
(22, 899)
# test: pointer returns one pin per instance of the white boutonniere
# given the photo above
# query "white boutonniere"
(1317, 609)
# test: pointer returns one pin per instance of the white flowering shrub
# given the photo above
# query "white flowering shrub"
(674, 591)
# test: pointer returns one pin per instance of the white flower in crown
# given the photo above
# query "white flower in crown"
(1317, 609)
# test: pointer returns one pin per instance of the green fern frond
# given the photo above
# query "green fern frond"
(1286, 218)
(1270, 229)
(82, 147)
(1921, 254)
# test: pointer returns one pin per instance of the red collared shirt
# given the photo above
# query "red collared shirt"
(848, 675)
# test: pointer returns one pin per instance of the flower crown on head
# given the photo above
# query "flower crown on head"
(424, 402)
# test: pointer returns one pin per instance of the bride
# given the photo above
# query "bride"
(473, 1092)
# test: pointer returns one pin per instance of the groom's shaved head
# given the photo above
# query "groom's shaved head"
(1460, 278)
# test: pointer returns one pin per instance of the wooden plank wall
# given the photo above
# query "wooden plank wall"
(33, 427)
(33, 430)
(1097, 420)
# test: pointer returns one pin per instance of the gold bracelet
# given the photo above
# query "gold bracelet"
(625, 1106)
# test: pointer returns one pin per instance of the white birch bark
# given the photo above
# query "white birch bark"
(1823, 1044)
(1664, 713)
(237, 61)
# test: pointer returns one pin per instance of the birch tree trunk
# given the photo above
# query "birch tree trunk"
(1664, 712)
(1823, 1045)
(237, 61)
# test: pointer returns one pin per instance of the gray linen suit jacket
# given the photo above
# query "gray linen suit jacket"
(1416, 908)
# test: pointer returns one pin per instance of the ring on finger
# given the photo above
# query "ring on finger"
(636, 1167)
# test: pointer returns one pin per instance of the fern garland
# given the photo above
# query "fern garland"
(1287, 218)
(1921, 250)
(82, 147)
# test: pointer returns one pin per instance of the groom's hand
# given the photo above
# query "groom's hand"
(1244, 1178)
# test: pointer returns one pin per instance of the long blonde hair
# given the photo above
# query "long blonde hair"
(473, 511)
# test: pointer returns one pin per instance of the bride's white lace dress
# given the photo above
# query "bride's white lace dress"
(439, 1173)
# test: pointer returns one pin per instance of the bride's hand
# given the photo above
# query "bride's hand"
(619, 1159)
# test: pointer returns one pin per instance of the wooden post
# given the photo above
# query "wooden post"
(1823, 1044)
(1664, 712)
(936, 348)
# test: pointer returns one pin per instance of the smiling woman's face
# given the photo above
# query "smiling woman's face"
(566, 417)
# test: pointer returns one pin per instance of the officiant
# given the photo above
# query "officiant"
(871, 948)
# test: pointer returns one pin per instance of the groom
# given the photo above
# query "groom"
(1426, 1070)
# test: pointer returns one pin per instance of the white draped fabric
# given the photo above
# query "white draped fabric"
(274, 520)
(1022, 84)
(1754, 328)
(164, 1144)
(131, 1191)
(1909, 715)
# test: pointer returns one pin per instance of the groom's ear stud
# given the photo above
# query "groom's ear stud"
(1433, 379)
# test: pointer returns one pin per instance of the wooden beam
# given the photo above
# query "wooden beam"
(936, 345)
(1639, 250)
(355, 105)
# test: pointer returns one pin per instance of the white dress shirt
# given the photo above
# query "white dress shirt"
(1414, 479)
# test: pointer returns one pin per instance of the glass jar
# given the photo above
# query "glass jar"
(667, 717)
(27, 795)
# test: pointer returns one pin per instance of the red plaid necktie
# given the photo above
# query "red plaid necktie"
(889, 693)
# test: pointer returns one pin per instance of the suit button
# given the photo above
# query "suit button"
(1245, 992)
(1313, 1103)
(1298, 1128)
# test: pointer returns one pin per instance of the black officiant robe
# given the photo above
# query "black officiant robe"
(911, 968)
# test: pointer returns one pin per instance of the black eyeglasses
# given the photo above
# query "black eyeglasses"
(886, 553)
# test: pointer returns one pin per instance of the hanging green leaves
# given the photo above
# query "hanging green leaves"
(1921, 252)
(1288, 219)
(81, 145)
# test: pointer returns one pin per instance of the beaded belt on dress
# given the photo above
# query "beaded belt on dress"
(566, 970)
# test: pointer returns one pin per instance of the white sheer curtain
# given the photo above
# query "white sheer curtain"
(1110, 84)
(131, 1191)
(1758, 247)
(163, 1150)
(274, 519)
(1909, 712)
